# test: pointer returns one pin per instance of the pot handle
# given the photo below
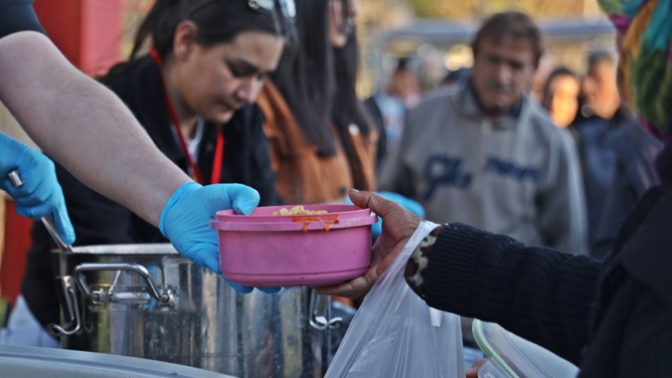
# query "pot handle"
(70, 309)
(163, 297)
(321, 321)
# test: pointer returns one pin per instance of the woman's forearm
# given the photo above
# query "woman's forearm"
(84, 126)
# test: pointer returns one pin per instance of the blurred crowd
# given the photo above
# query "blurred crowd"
(614, 153)
(560, 169)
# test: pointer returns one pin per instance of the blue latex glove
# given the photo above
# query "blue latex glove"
(408, 204)
(185, 221)
(40, 193)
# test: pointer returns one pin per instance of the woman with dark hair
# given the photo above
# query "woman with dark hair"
(561, 96)
(321, 141)
(194, 96)
(349, 113)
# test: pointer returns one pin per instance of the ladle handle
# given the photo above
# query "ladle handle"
(47, 220)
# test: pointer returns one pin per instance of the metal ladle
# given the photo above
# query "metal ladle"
(47, 220)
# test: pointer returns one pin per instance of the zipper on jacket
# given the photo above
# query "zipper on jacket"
(486, 130)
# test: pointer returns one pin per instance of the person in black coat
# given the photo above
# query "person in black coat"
(616, 154)
(612, 319)
(245, 157)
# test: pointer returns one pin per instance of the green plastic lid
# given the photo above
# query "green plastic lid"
(517, 357)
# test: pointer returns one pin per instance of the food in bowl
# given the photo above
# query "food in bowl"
(262, 249)
(299, 210)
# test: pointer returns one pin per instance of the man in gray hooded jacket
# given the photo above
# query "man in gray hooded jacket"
(486, 155)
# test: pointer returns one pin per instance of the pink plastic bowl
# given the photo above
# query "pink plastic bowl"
(268, 250)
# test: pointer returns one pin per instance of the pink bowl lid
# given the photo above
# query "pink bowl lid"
(262, 219)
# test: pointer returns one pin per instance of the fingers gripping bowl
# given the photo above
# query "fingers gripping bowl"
(262, 249)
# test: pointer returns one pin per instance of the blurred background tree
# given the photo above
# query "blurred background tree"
(482, 8)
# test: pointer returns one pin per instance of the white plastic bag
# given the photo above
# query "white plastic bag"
(395, 333)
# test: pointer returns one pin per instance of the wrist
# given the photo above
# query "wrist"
(10, 151)
(174, 198)
(418, 260)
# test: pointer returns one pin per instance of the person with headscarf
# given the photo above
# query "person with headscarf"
(612, 319)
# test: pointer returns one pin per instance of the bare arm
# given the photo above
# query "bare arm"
(84, 126)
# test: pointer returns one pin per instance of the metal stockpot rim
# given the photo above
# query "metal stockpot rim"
(123, 249)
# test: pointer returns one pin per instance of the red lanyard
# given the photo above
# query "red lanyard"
(219, 150)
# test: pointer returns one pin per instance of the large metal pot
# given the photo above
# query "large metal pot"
(145, 300)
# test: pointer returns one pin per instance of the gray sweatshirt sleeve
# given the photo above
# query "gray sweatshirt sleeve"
(562, 205)
(394, 176)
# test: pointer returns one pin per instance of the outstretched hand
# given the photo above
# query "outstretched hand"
(185, 221)
(398, 227)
